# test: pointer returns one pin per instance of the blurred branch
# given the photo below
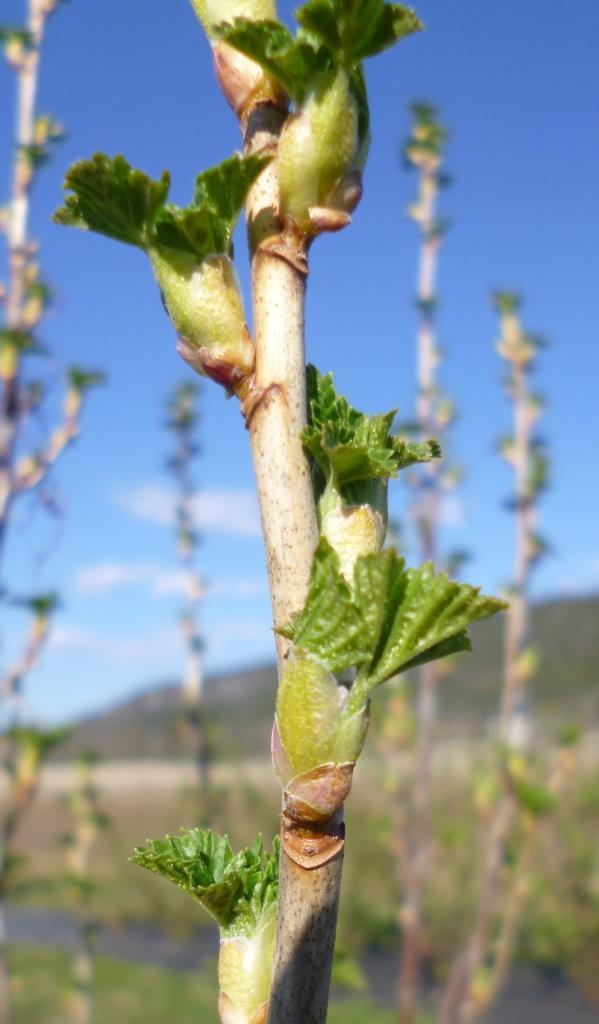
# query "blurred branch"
(182, 422)
(460, 1004)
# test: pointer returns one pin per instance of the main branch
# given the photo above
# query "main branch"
(277, 412)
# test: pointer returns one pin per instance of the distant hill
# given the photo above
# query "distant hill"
(239, 705)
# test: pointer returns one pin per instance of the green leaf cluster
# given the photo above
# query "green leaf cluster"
(392, 619)
(333, 34)
(19, 341)
(41, 605)
(428, 136)
(351, 452)
(36, 744)
(15, 34)
(235, 888)
(112, 198)
(537, 800)
(81, 380)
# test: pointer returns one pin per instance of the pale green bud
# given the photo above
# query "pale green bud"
(319, 158)
(243, 82)
(316, 743)
(212, 12)
(205, 304)
(244, 972)
(353, 531)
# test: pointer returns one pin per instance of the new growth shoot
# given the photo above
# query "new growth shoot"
(348, 613)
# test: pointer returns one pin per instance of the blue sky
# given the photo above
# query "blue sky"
(517, 85)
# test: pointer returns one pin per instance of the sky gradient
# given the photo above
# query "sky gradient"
(517, 86)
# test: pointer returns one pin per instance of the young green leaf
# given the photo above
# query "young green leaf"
(112, 198)
(81, 380)
(393, 619)
(222, 191)
(332, 34)
(294, 63)
(329, 625)
(235, 889)
(349, 446)
(355, 29)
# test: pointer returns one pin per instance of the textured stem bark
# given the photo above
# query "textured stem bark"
(309, 896)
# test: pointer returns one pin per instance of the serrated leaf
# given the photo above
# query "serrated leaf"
(329, 624)
(355, 29)
(350, 446)
(332, 34)
(235, 889)
(222, 191)
(393, 619)
(189, 231)
(112, 198)
(429, 610)
(293, 62)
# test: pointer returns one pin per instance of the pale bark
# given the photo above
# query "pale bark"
(277, 412)
(193, 682)
(458, 1006)
(17, 239)
(425, 514)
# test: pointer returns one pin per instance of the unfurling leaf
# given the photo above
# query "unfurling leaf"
(235, 888)
(393, 619)
(333, 34)
(189, 250)
(112, 198)
(353, 30)
(222, 191)
(329, 625)
(350, 445)
(293, 62)
(324, 144)
(240, 891)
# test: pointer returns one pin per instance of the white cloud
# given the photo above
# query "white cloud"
(162, 581)
(223, 636)
(219, 511)
(137, 647)
(151, 647)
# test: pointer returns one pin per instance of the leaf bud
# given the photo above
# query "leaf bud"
(243, 82)
(213, 12)
(321, 156)
(205, 304)
(244, 970)
(353, 531)
(315, 742)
